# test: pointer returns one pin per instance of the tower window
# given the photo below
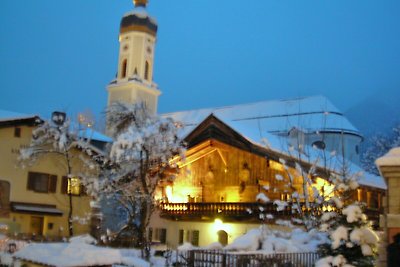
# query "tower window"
(146, 70)
(123, 68)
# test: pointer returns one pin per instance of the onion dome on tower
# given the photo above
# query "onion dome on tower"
(139, 20)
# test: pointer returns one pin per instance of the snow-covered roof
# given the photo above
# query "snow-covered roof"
(6, 115)
(392, 158)
(311, 114)
(280, 145)
(94, 135)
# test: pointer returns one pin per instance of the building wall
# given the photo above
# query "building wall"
(208, 231)
(341, 144)
(216, 172)
(17, 178)
(221, 173)
(136, 48)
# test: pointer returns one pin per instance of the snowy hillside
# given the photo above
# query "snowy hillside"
(376, 114)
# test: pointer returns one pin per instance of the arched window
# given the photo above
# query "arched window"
(124, 68)
(222, 237)
(146, 70)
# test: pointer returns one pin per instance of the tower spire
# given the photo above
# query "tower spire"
(141, 3)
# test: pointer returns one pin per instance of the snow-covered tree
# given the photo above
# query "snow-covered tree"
(352, 240)
(306, 183)
(377, 146)
(139, 159)
(328, 204)
(56, 138)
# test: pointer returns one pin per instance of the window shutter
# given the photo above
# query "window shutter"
(83, 189)
(150, 234)
(163, 235)
(195, 237)
(31, 181)
(52, 183)
(64, 185)
(180, 241)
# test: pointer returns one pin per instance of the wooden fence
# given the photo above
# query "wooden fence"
(219, 258)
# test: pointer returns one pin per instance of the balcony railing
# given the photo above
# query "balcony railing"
(233, 210)
(221, 209)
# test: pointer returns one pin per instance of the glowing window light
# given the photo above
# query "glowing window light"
(74, 186)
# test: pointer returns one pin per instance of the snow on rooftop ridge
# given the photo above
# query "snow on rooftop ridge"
(314, 113)
(326, 104)
(6, 115)
(297, 100)
(392, 158)
(91, 134)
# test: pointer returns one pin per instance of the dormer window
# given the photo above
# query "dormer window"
(319, 144)
(124, 68)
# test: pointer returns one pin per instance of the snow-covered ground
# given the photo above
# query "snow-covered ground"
(82, 251)
(264, 240)
(79, 251)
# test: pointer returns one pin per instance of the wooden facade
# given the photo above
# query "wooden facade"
(223, 173)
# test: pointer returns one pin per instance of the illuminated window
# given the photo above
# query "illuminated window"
(124, 68)
(359, 195)
(72, 186)
(146, 70)
(372, 200)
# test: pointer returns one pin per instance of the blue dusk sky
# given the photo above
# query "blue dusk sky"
(60, 55)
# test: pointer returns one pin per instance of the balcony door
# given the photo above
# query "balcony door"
(222, 237)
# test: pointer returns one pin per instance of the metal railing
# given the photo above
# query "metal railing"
(220, 258)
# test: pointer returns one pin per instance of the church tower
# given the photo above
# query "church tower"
(134, 80)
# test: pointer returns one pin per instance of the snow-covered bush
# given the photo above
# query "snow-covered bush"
(275, 241)
(352, 242)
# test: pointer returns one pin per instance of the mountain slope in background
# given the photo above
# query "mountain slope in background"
(377, 114)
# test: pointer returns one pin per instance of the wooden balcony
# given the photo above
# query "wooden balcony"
(229, 211)
(234, 211)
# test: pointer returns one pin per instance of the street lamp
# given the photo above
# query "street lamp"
(58, 117)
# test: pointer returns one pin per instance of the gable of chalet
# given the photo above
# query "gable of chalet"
(212, 128)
